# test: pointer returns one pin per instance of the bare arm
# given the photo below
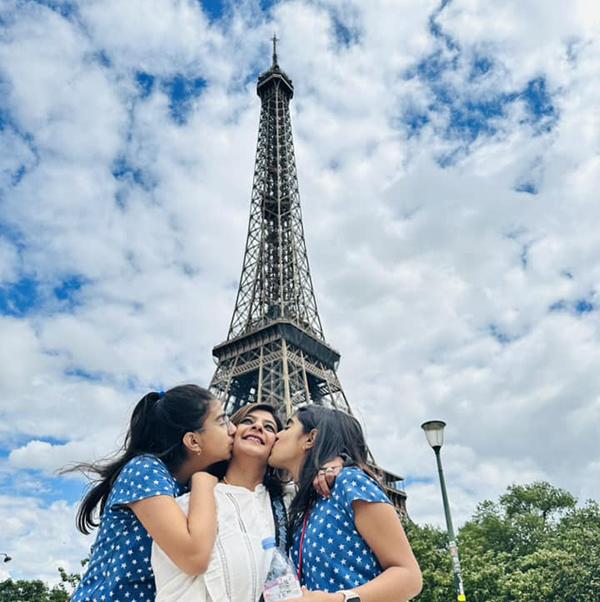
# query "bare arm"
(400, 580)
(381, 528)
(188, 541)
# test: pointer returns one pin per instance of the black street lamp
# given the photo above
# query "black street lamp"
(7, 558)
(434, 431)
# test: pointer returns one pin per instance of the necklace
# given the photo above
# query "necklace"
(227, 482)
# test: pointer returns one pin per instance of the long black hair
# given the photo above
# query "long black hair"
(158, 423)
(338, 434)
(272, 480)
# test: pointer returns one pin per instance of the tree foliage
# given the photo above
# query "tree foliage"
(31, 591)
(38, 591)
(533, 545)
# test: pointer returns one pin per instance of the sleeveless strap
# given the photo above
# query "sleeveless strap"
(280, 520)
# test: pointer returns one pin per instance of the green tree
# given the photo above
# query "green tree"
(38, 591)
(70, 581)
(430, 546)
(537, 499)
(533, 545)
(31, 591)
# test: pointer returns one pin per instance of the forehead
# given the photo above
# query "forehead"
(215, 408)
(262, 414)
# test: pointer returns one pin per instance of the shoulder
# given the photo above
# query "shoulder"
(355, 484)
(143, 476)
(144, 463)
(353, 476)
(145, 467)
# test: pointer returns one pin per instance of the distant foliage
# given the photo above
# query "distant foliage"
(533, 545)
(38, 591)
(31, 591)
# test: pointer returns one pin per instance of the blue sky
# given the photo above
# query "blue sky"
(448, 160)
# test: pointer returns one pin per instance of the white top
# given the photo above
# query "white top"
(238, 565)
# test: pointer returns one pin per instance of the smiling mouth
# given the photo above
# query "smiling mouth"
(254, 438)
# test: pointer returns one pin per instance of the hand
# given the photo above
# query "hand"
(318, 596)
(203, 479)
(323, 482)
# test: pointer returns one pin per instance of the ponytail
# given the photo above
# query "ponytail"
(158, 423)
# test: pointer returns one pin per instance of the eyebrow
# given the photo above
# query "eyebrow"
(289, 421)
(267, 421)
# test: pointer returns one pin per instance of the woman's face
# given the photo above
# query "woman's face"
(216, 435)
(255, 435)
(290, 446)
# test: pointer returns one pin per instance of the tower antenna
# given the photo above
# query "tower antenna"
(274, 39)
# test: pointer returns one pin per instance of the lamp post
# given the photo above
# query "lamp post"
(7, 558)
(434, 431)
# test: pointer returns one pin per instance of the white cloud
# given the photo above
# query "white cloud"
(41, 539)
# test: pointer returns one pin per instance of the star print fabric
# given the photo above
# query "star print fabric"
(119, 569)
(335, 556)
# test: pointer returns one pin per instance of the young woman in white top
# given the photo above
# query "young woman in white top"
(250, 509)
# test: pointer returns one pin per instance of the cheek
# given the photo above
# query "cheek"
(236, 444)
(222, 436)
(271, 440)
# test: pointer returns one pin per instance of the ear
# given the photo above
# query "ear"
(310, 439)
(193, 443)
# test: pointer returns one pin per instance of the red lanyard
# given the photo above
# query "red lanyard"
(301, 551)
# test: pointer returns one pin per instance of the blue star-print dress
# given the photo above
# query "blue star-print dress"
(119, 569)
(335, 556)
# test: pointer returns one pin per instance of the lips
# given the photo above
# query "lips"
(254, 438)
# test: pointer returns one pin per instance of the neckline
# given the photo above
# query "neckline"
(258, 489)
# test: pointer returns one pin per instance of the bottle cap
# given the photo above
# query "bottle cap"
(268, 543)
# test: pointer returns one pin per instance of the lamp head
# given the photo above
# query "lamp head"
(434, 431)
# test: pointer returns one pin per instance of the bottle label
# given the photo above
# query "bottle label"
(282, 588)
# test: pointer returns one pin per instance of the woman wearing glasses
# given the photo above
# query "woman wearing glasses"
(172, 438)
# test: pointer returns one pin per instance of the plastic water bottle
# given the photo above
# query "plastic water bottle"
(281, 582)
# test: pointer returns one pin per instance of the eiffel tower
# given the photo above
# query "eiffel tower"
(275, 350)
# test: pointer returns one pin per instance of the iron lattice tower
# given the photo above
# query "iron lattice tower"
(275, 350)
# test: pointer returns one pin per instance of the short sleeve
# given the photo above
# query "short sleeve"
(142, 478)
(352, 485)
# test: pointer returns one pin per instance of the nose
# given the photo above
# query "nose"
(231, 428)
